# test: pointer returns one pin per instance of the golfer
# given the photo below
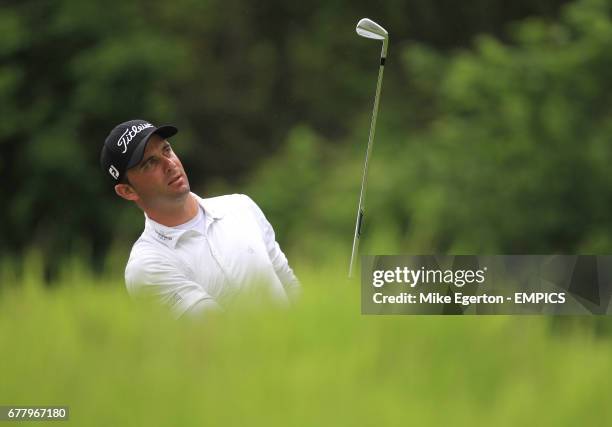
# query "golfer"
(195, 255)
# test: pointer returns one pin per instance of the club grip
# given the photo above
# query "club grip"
(359, 222)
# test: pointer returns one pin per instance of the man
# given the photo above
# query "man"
(195, 254)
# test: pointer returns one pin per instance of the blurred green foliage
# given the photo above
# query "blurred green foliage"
(500, 148)
(492, 137)
(115, 362)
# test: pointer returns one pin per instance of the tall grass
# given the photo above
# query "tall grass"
(84, 344)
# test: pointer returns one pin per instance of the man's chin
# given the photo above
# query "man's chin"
(183, 190)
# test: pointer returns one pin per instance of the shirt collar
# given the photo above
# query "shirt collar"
(215, 212)
(170, 236)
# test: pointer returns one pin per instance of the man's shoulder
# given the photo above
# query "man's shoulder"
(146, 251)
(146, 244)
(147, 259)
(226, 203)
(225, 199)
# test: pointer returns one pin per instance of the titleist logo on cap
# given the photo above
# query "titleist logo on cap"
(129, 134)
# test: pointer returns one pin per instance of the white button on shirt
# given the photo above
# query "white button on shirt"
(211, 262)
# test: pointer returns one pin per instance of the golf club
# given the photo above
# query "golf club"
(371, 30)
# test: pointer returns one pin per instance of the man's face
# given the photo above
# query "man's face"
(160, 176)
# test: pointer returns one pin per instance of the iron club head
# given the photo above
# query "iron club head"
(371, 30)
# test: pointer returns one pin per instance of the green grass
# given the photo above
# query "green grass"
(114, 362)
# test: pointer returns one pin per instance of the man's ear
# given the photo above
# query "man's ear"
(126, 191)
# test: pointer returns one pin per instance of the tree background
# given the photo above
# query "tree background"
(493, 131)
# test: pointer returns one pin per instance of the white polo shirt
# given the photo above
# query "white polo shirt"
(211, 263)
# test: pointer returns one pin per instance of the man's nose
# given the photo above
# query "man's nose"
(168, 165)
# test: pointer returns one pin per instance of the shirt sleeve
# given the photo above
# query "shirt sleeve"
(277, 257)
(149, 276)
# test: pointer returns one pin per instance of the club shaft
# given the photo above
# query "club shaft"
(364, 179)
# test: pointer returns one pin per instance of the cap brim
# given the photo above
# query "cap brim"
(163, 131)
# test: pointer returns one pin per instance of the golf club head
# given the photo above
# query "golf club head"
(371, 30)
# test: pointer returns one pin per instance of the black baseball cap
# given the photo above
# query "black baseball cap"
(125, 145)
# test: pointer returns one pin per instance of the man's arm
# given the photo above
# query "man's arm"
(149, 275)
(279, 260)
